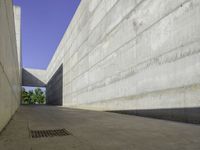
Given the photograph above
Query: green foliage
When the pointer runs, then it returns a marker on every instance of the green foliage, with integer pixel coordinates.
(33, 97)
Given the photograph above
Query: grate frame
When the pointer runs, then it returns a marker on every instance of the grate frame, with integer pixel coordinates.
(49, 133)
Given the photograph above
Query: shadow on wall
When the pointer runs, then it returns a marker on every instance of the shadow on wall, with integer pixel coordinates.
(54, 88)
(187, 115)
(29, 79)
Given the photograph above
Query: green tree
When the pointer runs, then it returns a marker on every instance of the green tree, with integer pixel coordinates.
(33, 97)
(25, 97)
(38, 96)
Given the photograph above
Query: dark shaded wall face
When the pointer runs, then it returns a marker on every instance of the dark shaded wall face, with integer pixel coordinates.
(54, 88)
(29, 79)
(187, 115)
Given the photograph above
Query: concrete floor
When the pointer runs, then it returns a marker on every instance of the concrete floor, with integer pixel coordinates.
(93, 130)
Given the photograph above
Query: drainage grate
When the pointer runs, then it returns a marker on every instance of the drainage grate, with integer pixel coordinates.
(48, 133)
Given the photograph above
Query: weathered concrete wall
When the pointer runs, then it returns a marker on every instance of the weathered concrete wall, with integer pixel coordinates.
(10, 85)
(34, 77)
(133, 55)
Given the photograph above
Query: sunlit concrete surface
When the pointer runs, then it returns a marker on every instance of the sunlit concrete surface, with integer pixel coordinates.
(10, 61)
(138, 56)
(93, 130)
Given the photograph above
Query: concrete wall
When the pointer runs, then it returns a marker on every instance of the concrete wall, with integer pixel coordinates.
(10, 85)
(133, 55)
(34, 77)
(17, 16)
(136, 56)
(54, 88)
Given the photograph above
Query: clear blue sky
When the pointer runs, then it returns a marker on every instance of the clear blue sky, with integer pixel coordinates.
(43, 25)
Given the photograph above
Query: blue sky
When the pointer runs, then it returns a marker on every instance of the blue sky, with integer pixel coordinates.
(43, 25)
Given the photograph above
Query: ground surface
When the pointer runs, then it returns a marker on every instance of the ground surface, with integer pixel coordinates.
(93, 130)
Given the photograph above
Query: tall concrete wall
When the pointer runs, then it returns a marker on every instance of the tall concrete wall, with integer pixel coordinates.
(134, 56)
(139, 56)
(10, 80)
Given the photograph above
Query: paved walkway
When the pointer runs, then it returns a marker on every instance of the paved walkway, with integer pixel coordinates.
(93, 130)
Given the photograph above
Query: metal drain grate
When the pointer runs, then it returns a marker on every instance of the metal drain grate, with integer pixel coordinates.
(48, 133)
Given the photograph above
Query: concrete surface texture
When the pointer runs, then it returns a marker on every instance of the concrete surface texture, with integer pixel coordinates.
(92, 130)
(34, 77)
(54, 93)
(138, 56)
(17, 16)
(132, 55)
(10, 80)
